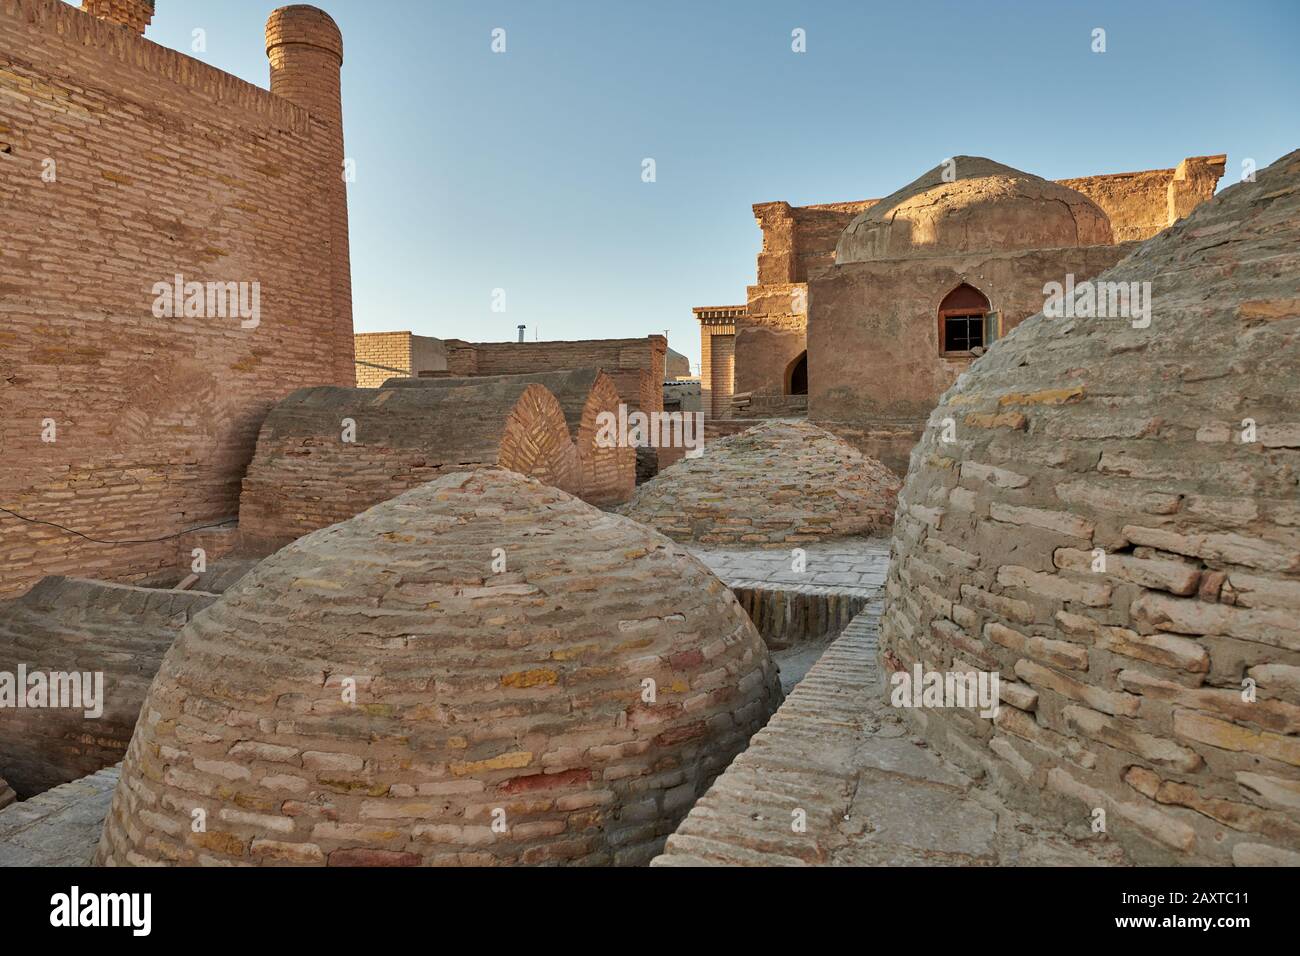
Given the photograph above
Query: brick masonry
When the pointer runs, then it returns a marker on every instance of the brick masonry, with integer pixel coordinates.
(517, 696)
(73, 626)
(305, 475)
(608, 473)
(778, 484)
(1162, 686)
(162, 165)
(60, 827)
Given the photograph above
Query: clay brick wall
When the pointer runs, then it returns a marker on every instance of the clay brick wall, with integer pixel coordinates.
(163, 165)
(304, 476)
(514, 358)
(382, 355)
(74, 626)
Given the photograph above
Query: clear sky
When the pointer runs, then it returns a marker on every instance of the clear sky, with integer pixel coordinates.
(523, 170)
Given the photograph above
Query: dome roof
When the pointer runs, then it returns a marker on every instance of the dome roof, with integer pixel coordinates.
(987, 206)
(781, 481)
(569, 708)
(1110, 536)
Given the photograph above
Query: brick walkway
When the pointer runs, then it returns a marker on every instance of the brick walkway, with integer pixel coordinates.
(848, 566)
(59, 827)
(836, 751)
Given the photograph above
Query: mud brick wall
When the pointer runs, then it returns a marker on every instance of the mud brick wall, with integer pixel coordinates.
(875, 366)
(542, 666)
(162, 165)
(69, 625)
(304, 476)
(1162, 686)
(1143, 203)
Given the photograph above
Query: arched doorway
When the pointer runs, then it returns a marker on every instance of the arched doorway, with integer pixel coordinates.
(961, 320)
(796, 375)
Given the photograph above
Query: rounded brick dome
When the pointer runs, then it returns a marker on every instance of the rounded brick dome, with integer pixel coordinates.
(988, 206)
(1115, 532)
(778, 482)
(379, 692)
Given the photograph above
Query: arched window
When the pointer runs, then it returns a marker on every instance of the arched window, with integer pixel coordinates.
(796, 375)
(961, 320)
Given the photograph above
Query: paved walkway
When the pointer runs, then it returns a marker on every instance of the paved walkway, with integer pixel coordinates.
(59, 827)
(869, 794)
(846, 566)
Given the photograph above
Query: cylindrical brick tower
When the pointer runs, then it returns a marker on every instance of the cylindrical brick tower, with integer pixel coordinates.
(305, 48)
(135, 15)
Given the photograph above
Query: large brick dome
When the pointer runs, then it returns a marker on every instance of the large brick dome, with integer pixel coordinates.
(568, 708)
(1115, 529)
(778, 483)
(973, 205)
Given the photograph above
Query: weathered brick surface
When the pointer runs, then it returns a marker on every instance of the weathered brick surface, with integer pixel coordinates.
(778, 484)
(304, 476)
(476, 692)
(1133, 679)
(59, 827)
(69, 625)
(608, 474)
(163, 166)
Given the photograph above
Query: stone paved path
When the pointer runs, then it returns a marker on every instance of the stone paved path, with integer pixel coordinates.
(871, 795)
(59, 827)
(846, 566)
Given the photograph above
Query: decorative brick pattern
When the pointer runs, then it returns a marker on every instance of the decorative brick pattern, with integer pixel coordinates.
(520, 692)
(1164, 685)
(607, 474)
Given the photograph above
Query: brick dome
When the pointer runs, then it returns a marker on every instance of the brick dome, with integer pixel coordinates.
(987, 206)
(499, 718)
(776, 483)
(1109, 536)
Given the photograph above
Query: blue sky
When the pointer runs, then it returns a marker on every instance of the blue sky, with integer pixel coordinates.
(522, 170)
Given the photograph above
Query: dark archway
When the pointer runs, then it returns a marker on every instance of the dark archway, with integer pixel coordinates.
(796, 375)
(961, 320)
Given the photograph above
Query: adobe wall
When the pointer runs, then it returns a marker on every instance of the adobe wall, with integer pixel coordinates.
(1140, 204)
(874, 365)
(75, 626)
(163, 165)
(306, 476)
(798, 241)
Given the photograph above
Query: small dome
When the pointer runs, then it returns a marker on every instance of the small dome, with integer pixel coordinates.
(1116, 532)
(987, 206)
(483, 670)
(778, 482)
